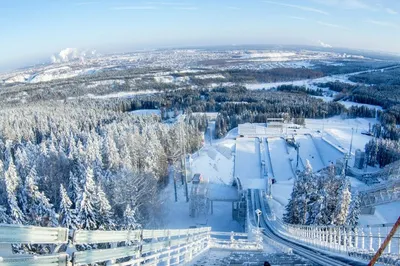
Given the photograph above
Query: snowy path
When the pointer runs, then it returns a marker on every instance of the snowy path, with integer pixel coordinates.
(308, 151)
(248, 164)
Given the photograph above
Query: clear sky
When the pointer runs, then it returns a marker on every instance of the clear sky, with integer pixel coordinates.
(36, 29)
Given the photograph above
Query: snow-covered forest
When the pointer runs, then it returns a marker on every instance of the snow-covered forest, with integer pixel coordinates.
(322, 198)
(86, 167)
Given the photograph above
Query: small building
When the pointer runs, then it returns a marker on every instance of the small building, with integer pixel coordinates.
(251, 130)
(359, 160)
(339, 166)
(275, 122)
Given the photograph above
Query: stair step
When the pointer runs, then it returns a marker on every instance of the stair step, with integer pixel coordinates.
(218, 257)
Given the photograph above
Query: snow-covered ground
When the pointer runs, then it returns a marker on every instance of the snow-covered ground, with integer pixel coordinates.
(280, 159)
(348, 104)
(146, 112)
(386, 213)
(176, 214)
(215, 163)
(121, 94)
(308, 83)
(248, 163)
(308, 151)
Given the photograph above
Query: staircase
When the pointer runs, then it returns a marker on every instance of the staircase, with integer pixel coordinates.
(218, 257)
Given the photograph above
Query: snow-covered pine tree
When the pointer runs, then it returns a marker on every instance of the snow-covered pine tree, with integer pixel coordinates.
(130, 219)
(4, 218)
(37, 207)
(354, 210)
(342, 207)
(103, 209)
(74, 188)
(22, 162)
(86, 216)
(12, 182)
(66, 213)
(292, 214)
(3, 192)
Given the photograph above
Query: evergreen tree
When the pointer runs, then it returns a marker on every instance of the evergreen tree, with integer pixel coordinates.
(66, 213)
(12, 183)
(129, 219)
(103, 209)
(86, 213)
(342, 207)
(4, 218)
(37, 207)
(74, 188)
(354, 211)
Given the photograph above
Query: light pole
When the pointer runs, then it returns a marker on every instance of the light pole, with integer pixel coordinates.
(348, 156)
(183, 158)
(258, 212)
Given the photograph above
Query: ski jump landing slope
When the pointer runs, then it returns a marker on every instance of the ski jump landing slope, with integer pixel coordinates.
(248, 164)
(280, 159)
(308, 151)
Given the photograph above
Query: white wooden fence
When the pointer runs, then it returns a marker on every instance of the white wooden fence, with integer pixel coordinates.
(132, 247)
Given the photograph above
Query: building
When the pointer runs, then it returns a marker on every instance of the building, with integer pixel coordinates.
(252, 130)
(359, 160)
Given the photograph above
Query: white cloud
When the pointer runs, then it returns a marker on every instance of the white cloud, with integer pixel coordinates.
(384, 23)
(332, 25)
(391, 11)
(324, 44)
(233, 8)
(304, 8)
(134, 8)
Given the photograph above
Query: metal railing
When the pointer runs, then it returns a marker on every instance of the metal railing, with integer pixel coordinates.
(16, 234)
(359, 241)
(130, 247)
(380, 194)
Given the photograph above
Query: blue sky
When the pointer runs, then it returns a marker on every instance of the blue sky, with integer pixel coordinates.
(35, 29)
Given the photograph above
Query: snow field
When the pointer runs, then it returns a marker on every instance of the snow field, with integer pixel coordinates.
(217, 170)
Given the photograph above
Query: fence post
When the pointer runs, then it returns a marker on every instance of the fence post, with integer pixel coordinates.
(350, 237)
(169, 248)
(379, 237)
(370, 240)
(362, 239)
